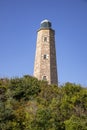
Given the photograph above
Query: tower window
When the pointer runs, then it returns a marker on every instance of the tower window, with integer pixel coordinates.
(45, 39)
(45, 56)
(44, 78)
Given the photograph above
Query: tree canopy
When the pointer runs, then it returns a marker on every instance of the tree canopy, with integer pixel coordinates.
(29, 104)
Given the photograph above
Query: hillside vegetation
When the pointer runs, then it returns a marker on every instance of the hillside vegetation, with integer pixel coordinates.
(29, 104)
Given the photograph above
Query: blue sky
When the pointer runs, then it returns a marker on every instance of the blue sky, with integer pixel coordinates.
(19, 22)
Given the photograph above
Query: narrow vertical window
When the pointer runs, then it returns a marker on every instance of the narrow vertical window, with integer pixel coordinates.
(45, 39)
(44, 78)
(45, 56)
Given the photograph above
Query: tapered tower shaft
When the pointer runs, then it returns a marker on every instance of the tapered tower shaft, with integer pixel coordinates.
(45, 67)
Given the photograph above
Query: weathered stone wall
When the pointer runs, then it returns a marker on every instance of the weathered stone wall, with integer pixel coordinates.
(45, 59)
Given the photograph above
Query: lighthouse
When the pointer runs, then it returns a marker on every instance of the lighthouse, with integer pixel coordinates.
(45, 66)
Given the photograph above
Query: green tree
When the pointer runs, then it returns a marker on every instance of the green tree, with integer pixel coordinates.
(76, 123)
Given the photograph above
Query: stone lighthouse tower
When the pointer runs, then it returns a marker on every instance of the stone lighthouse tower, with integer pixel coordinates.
(45, 67)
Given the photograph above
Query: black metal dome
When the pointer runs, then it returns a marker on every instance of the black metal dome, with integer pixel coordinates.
(45, 24)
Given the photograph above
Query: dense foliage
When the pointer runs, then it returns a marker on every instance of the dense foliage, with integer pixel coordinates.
(29, 104)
